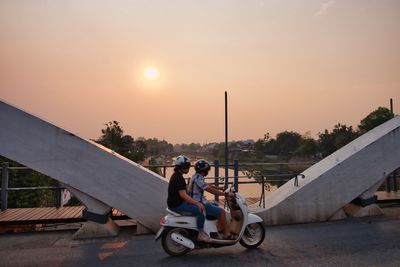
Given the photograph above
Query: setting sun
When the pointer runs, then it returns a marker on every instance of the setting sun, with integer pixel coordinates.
(151, 73)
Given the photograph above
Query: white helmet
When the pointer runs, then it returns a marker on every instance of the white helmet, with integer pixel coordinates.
(182, 162)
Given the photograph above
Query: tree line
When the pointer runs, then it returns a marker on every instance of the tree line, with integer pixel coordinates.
(289, 144)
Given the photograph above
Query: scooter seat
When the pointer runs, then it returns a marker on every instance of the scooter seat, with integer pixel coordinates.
(173, 212)
(208, 217)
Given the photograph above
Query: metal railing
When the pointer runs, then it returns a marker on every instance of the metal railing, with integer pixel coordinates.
(264, 178)
(5, 176)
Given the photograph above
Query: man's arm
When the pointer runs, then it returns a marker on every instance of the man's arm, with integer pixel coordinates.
(188, 199)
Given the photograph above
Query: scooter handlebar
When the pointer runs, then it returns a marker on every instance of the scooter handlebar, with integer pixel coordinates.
(230, 188)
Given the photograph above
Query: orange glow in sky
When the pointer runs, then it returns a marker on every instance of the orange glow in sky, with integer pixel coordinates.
(287, 65)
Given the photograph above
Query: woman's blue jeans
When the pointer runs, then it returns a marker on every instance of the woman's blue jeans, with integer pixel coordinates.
(189, 209)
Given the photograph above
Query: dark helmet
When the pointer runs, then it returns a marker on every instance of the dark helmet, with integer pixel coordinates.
(182, 162)
(202, 165)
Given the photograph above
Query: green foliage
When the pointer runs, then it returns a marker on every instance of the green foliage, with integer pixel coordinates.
(375, 118)
(340, 136)
(153, 161)
(218, 151)
(113, 137)
(139, 151)
(287, 143)
(156, 147)
(308, 147)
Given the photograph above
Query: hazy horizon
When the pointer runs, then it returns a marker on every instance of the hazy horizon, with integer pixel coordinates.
(300, 66)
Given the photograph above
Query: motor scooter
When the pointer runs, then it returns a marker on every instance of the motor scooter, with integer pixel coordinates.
(178, 232)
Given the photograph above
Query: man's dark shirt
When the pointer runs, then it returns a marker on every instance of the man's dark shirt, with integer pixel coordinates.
(176, 183)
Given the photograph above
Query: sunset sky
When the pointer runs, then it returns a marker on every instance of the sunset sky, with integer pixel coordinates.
(160, 68)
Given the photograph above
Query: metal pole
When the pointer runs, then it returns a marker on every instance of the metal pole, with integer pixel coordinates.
(262, 197)
(226, 141)
(394, 181)
(236, 174)
(391, 106)
(216, 178)
(58, 196)
(387, 183)
(4, 185)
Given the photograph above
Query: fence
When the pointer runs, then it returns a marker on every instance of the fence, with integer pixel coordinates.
(262, 177)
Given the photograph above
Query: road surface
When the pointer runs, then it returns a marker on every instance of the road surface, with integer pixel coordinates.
(352, 242)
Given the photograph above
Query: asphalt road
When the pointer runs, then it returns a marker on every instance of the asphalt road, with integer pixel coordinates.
(352, 242)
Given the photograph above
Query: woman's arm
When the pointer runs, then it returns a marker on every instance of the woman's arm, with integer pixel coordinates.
(214, 190)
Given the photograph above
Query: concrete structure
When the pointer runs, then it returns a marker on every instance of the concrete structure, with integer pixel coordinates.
(102, 179)
(354, 171)
(96, 175)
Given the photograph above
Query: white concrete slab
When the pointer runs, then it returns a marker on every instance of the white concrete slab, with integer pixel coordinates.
(83, 164)
(338, 179)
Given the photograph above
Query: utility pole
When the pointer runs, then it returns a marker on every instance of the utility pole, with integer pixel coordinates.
(226, 141)
(391, 106)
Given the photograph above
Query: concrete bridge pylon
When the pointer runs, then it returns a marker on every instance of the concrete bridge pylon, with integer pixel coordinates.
(352, 173)
(100, 177)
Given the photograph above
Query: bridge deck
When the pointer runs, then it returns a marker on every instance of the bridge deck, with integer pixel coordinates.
(74, 213)
(46, 215)
(62, 214)
(384, 196)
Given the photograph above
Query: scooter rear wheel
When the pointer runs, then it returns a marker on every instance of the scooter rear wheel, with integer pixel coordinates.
(253, 235)
(170, 246)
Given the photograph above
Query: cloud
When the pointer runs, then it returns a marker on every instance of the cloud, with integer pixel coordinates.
(323, 9)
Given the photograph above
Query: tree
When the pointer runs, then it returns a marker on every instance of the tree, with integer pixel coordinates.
(152, 162)
(113, 137)
(261, 145)
(287, 142)
(340, 136)
(156, 147)
(139, 151)
(375, 118)
(308, 147)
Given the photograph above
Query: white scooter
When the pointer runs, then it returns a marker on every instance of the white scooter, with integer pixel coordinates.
(178, 232)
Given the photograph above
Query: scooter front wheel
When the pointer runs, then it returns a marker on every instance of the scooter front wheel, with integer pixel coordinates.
(253, 235)
(172, 247)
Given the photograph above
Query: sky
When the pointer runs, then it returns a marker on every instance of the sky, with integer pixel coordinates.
(292, 65)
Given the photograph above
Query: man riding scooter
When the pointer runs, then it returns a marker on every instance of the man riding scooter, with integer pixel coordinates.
(196, 188)
(179, 233)
(179, 201)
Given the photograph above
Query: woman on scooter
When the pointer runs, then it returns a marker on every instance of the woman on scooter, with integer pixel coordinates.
(179, 201)
(197, 185)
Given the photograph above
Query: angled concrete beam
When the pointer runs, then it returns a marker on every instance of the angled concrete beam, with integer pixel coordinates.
(353, 171)
(82, 164)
